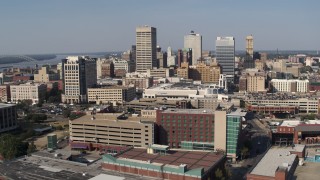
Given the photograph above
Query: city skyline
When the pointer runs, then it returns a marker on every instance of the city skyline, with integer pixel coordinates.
(82, 26)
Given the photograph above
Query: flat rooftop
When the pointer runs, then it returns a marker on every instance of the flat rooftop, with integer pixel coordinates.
(105, 117)
(3, 105)
(308, 127)
(110, 87)
(309, 171)
(189, 111)
(237, 112)
(275, 157)
(292, 123)
(181, 86)
(193, 159)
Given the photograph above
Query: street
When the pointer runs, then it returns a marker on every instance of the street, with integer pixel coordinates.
(260, 142)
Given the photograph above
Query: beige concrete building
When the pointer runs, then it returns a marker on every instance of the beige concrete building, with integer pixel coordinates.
(149, 113)
(279, 65)
(194, 41)
(105, 68)
(137, 80)
(260, 65)
(111, 94)
(183, 71)
(45, 75)
(35, 92)
(264, 56)
(207, 74)
(79, 74)
(305, 105)
(256, 82)
(146, 48)
(160, 72)
(294, 70)
(205, 103)
(220, 129)
(112, 129)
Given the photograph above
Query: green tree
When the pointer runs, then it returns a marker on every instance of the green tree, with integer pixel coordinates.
(242, 104)
(54, 96)
(219, 174)
(37, 118)
(228, 172)
(11, 146)
(59, 127)
(24, 105)
(31, 148)
(244, 152)
(66, 113)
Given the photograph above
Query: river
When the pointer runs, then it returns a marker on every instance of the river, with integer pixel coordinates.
(39, 63)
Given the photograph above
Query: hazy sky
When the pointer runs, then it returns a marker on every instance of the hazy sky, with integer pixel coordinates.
(53, 26)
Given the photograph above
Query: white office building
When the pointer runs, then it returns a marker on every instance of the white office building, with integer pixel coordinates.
(79, 74)
(194, 42)
(291, 85)
(171, 59)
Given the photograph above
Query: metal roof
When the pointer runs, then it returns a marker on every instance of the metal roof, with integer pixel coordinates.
(308, 127)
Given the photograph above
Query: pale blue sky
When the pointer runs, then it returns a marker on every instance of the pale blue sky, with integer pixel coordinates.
(53, 26)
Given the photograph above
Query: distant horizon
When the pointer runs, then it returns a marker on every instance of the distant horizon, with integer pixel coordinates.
(46, 27)
(174, 50)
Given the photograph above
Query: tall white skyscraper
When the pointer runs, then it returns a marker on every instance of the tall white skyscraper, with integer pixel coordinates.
(225, 54)
(194, 41)
(79, 73)
(146, 48)
(171, 59)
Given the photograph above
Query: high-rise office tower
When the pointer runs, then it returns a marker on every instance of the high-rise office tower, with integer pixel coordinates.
(161, 58)
(194, 42)
(146, 48)
(79, 73)
(249, 63)
(171, 58)
(225, 54)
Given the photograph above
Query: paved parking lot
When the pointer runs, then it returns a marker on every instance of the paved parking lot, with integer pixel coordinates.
(37, 168)
(29, 171)
(309, 171)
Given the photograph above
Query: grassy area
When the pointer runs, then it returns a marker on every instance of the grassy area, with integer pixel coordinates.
(41, 142)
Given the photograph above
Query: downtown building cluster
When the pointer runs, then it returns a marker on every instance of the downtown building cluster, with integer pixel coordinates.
(176, 105)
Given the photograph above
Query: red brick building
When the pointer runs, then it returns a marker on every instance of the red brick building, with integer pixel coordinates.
(307, 133)
(176, 125)
(166, 164)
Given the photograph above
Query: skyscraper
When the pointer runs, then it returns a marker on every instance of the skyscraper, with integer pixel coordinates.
(146, 48)
(225, 54)
(249, 63)
(79, 73)
(171, 59)
(194, 42)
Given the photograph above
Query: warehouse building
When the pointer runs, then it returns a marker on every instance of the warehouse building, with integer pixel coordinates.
(159, 161)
